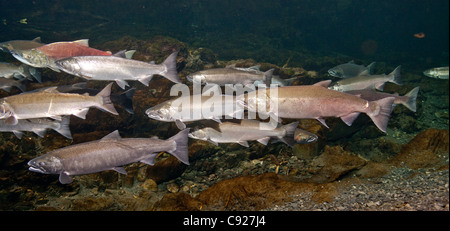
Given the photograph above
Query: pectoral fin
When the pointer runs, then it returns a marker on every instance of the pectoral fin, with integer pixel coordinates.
(64, 178)
(120, 170)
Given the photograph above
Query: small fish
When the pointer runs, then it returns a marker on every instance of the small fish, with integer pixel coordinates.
(408, 100)
(7, 84)
(119, 69)
(304, 137)
(9, 70)
(350, 69)
(23, 21)
(244, 131)
(12, 45)
(38, 126)
(367, 81)
(53, 104)
(317, 102)
(109, 153)
(275, 78)
(222, 76)
(437, 72)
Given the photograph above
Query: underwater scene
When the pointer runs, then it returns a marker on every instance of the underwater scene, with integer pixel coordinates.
(224, 105)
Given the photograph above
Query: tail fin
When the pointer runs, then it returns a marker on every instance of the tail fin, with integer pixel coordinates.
(395, 74)
(21, 85)
(181, 150)
(171, 68)
(411, 99)
(288, 137)
(380, 115)
(126, 100)
(106, 103)
(268, 77)
(36, 73)
(64, 128)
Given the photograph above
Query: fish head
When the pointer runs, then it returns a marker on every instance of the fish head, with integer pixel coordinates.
(199, 134)
(336, 72)
(196, 78)
(430, 73)
(69, 65)
(47, 164)
(336, 86)
(161, 112)
(304, 137)
(5, 110)
(32, 57)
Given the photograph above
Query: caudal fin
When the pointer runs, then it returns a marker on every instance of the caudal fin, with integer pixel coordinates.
(288, 137)
(181, 150)
(410, 103)
(395, 74)
(64, 128)
(380, 115)
(171, 68)
(126, 100)
(106, 104)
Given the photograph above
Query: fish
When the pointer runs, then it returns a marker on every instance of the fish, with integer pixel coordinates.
(316, 102)
(437, 73)
(199, 109)
(109, 153)
(7, 84)
(350, 69)
(244, 131)
(408, 100)
(53, 104)
(12, 45)
(39, 126)
(304, 137)
(124, 99)
(119, 69)
(9, 70)
(46, 55)
(222, 76)
(275, 78)
(368, 81)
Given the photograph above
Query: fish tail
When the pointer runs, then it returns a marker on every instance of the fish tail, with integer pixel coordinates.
(106, 103)
(64, 128)
(171, 68)
(381, 113)
(181, 150)
(268, 77)
(411, 102)
(126, 100)
(395, 74)
(288, 137)
(21, 85)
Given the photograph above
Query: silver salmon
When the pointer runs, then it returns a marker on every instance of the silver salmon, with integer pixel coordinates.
(317, 102)
(109, 153)
(53, 104)
(39, 126)
(112, 68)
(368, 81)
(244, 131)
(437, 72)
(222, 76)
(350, 69)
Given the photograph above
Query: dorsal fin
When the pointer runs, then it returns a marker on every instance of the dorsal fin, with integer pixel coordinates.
(37, 39)
(83, 42)
(324, 83)
(112, 136)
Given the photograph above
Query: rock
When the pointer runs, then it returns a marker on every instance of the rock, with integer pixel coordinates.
(428, 149)
(179, 201)
(333, 163)
(173, 187)
(150, 184)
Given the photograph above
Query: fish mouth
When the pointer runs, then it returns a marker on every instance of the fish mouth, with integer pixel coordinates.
(34, 169)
